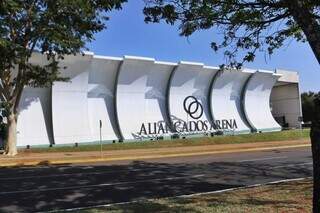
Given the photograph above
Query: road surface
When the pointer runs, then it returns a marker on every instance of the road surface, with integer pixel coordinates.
(44, 188)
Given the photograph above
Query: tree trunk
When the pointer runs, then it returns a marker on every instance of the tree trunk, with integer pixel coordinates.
(315, 142)
(308, 23)
(311, 28)
(11, 137)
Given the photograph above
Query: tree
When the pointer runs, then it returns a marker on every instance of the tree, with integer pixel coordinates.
(308, 105)
(250, 26)
(53, 27)
(315, 135)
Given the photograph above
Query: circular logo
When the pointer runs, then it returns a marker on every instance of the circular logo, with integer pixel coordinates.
(193, 107)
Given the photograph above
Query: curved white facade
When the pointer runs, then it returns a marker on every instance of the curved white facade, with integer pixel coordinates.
(101, 97)
(190, 79)
(35, 120)
(138, 98)
(141, 95)
(70, 102)
(226, 97)
(257, 101)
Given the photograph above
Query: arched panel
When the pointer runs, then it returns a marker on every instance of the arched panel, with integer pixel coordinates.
(257, 101)
(141, 97)
(226, 93)
(35, 121)
(102, 77)
(190, 79)
(70, 102)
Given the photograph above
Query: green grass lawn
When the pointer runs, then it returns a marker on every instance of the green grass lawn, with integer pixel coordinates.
(288, 197)
(228, 139)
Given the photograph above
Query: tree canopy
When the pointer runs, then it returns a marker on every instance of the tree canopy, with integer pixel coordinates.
(257, 25)
(251, 26)
(308, 105)
(53, 27)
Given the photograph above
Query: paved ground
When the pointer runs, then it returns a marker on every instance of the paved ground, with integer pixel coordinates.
(30, 158)
(46, 188)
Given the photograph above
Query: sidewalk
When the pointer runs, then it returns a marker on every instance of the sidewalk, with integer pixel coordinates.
(30, 159)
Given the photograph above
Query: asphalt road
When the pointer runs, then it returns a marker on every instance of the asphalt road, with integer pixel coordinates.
(45, 188)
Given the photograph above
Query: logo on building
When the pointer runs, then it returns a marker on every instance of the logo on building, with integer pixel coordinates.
(193, 107)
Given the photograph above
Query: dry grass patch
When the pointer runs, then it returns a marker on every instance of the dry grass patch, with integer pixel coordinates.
(283, 197)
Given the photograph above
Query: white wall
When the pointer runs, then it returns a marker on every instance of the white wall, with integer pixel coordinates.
(285, 101)
(35, 122)
(70, 102)
(190, 79)
(141, 94)
(101, 89)
(226, 97)
(126, 92)
(257, 101)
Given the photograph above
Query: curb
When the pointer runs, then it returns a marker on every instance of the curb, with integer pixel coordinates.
(154, 156)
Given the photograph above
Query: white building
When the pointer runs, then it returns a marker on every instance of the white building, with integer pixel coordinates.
(140, 98)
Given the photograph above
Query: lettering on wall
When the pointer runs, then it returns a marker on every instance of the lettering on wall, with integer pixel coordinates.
(194, 110)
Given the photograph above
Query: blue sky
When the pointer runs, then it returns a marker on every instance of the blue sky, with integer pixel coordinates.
(127, 34)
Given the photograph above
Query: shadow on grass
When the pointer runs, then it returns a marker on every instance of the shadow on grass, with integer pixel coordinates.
(270, 198)
(145, 207)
